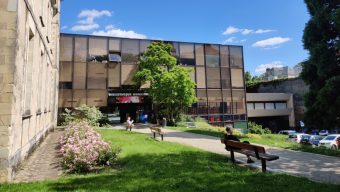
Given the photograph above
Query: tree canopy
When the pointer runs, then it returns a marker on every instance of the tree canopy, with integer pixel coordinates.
(171, 88)
(322, 69)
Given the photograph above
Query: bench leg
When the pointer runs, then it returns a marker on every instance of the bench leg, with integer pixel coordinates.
(154, 135)
(162, 137)
(232, 156)
(264, 166)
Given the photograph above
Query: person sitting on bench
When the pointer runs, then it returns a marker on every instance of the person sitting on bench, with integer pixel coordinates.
(129, 123)
(229, 136)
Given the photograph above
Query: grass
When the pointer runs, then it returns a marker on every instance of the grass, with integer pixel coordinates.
(149, 165)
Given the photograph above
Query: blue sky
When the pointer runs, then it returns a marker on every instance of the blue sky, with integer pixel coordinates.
(269, 30)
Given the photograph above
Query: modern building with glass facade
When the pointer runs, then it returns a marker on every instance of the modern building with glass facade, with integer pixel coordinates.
(98, 71)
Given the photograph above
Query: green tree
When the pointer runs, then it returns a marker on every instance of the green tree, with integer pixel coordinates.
(322, 69)
(171, 87)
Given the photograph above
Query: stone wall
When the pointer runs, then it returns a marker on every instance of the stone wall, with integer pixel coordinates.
(29, 39)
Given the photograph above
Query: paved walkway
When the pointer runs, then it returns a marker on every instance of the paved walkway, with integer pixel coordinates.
(44, 162)
(313, 166)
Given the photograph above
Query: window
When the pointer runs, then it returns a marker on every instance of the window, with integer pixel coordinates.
(28, 73)
(80, 49)
(175, 49)
(97, 75)
(226, 93)
(144, 45)
(269, 106)
(79, 76)
(79, 98)
(98, 50)
(215, 101)
(200, 76)
(224, 56)
(236, 59)
(130, 51)
(114, 75)
(225, 75)
(237, 78)
(213, 78)
(114, 57)
(250, 106)
(187, 54)
(114, 45)
(259, 105)
(65, 72)
(281, 105)
(66, 48)
(65, 98)
(97, 98)
(199, 54)
(212, 55)
(239, 101)
(128, 72)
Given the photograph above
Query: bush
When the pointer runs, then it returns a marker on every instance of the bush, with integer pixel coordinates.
(257, 129)
(82, 113)
(83, 149)
(255, 136)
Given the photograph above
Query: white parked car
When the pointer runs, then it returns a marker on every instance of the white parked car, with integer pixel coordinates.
(287, 132)
(329, 141)
(296, 137)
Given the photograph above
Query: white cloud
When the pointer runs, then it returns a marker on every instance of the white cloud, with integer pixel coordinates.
(243, 40)
(94, 13)
(246, 31)
(262, 68)
(260, 31)
(230, 40)
(116, 32)
(232, 30)
(85, 27)
(271, 42)
(87, 19)
(63, 27)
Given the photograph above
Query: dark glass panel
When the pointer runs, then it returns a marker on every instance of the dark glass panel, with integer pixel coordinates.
(128, 72)
(114, 75)
(187, 54)
(239, 101)
(66, 48)
(144, 45)
(80, 49)
(97, 76)
(65, 98)
(98, 50)
(226, 93)
(237, 78)
(97, 98)
(199, 54)
(225, 76)
(236, 60)
(200, 76)
(224, 56)
(65, 72)
(79, 76)
(213, 78)
(79, 98)
(114, 45)
(130, 51)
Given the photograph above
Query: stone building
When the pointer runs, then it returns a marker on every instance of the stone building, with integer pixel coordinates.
(29, 49)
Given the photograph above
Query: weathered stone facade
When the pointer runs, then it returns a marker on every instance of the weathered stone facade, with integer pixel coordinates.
(29, 59)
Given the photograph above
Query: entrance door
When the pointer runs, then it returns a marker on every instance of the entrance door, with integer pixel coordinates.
(127, 109)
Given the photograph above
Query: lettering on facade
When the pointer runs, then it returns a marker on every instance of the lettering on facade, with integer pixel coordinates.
(127, 94)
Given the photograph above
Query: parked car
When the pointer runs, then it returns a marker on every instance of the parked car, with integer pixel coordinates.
(334, 131)
(296, 137)
(329, 141)
(315, 132)
(311, 139)
(323, 132)
(287, 132)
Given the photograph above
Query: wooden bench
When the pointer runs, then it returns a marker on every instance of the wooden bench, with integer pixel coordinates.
(157, 130)
(248, 149)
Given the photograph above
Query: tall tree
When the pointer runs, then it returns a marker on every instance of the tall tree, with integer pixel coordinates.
(322, 69)
(171, 87)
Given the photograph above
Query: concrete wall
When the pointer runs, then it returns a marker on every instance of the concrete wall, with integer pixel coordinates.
(29, 39)
(294, 86)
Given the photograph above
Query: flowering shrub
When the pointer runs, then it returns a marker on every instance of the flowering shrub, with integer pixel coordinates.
(83, 148)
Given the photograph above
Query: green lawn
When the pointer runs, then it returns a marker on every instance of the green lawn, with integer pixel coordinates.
(149, 165)
(273, 140)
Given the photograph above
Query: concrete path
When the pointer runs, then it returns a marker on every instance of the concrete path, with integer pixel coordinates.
(44, 162)
(316, 167)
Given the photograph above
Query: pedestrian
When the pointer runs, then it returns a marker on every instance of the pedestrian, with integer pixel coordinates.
(129, 123)
(229, 136)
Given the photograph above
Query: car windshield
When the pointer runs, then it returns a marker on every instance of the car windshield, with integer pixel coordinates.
(330, 138)
(305, 136)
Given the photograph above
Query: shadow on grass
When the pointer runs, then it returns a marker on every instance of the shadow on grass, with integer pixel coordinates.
(185, 171)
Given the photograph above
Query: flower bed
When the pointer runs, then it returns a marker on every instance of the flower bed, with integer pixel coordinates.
(83, 148)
